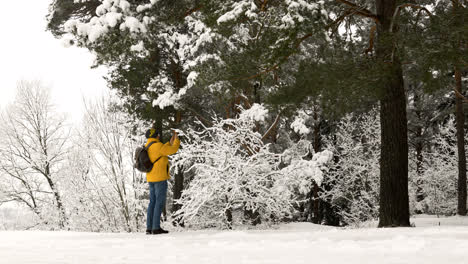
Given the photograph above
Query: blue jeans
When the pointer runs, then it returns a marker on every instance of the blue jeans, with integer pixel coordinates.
(157, 199)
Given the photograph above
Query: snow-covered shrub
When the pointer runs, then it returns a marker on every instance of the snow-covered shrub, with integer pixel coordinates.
(234, 172)
(302, 174)
(438, 181)
(236, 178)
(301, 168)
(353, 179)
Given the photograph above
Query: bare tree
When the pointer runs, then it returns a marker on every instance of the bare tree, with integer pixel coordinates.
(33, 149)
(107, 136)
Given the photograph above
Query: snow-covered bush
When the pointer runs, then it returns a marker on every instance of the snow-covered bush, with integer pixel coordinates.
(353, 180)
(236, 178)
(234, 173)
(438, 181)
(301, 168)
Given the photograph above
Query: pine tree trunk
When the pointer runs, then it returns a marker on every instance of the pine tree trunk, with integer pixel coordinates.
(419, 167)
(178, 188)
(315, 189)
(158, 124)
(178, 181)
(419, 146)
(394, 202)
(460, 122)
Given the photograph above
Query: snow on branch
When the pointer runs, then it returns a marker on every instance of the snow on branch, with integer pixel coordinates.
(227, 181)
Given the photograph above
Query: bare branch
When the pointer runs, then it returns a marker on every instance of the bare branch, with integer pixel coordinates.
(199, 116)
(398, 9)
(340, 19)
(459, 95)
(361, 10)
(193, 10)
(272, 127)
(264, 3)
(371, 40)
(455, 2)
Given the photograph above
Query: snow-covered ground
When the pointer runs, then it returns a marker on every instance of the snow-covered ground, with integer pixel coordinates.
(291, 243)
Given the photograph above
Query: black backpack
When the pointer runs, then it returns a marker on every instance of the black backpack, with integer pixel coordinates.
(142, 160)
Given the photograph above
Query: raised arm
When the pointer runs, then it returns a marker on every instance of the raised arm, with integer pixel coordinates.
(172, 146)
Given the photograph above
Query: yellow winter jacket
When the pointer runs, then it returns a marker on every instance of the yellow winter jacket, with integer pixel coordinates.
(160, 171)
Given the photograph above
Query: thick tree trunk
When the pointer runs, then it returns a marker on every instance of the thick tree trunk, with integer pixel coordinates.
(460, 122)
(394, 202)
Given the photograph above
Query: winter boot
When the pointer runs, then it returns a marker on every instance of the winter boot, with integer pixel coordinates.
(159, 231)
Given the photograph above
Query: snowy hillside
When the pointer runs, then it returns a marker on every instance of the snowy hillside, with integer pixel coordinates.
(291, 243)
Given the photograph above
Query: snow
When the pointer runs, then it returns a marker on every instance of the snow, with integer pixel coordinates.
(133, 24)
(124, 5)
(298, 125)
(238, 9)
(290, 243)
(142, 8)
(112, 18)
(257, 112)
(166, 99)
(139, 47)
(323, 157)
(309, 170)
(191, 78)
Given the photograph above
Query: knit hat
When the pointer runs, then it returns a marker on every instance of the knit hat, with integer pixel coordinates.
(152, 133)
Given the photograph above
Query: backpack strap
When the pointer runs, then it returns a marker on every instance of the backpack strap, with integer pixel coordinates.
(149, 145)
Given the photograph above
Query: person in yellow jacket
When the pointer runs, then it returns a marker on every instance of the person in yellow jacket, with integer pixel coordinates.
(157, 177)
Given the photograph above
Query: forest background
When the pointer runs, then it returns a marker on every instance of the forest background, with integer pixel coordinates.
(333, 112)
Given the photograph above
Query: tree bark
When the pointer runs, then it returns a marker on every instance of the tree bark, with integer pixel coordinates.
(419, 167)
(178, 181)
(178, 188)
(460, 123)
(419, 146)
(63, 221)
(315, 189)
(394, 202)
(58, 199)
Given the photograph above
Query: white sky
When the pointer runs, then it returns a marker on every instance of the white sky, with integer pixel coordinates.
(27, 51)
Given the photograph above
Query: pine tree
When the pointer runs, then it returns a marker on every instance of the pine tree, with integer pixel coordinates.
(443, 62)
